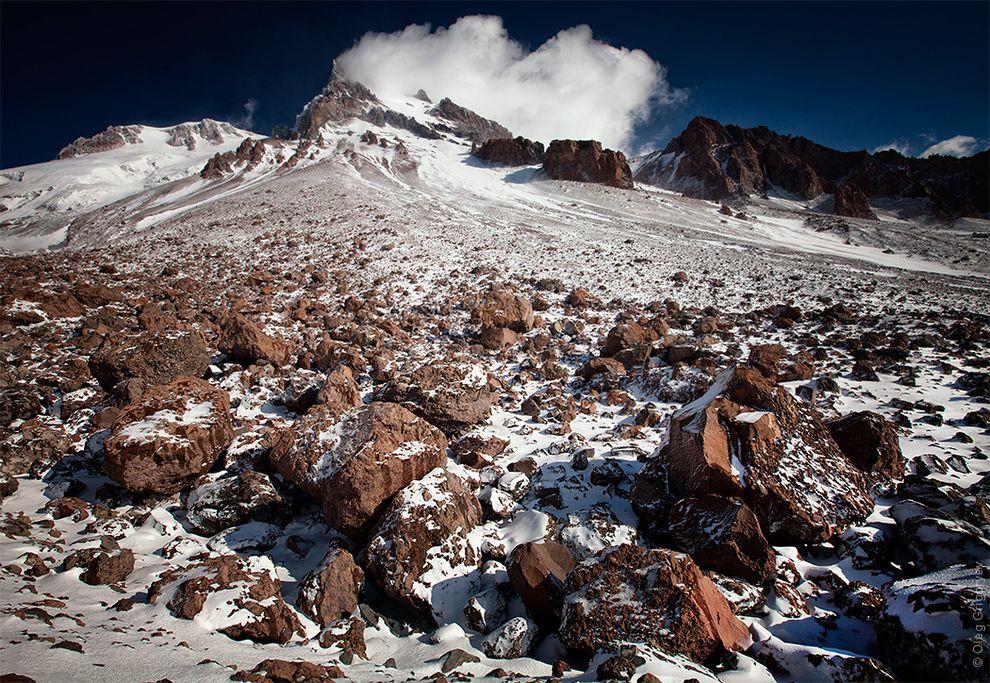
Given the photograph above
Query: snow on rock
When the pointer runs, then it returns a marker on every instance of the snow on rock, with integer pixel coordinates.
(420, 552)
(355, 465)
(168, 437)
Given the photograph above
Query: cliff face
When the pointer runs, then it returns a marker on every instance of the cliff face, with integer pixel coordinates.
(710, 160)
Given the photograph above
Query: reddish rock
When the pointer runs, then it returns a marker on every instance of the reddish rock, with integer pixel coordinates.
(586, 161)
(723, 535)
(246, 343)
(628, 336)
(451, 395)
(512, 151)
(284, 671)
(154, 358)
(657, 597)
(102, 567)
(331, 589)
(497, 338)
(425, 526)
(603, 366)
(501, 306)
(34, 447)
(355, 465)
(870, 442)
(170, 436)
(850, 201)
(538, 572)
(751, 439)
(254, 609)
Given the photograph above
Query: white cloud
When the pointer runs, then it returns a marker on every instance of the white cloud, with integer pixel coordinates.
(571, 86)
(902, 146)
(957, 146)
(247, 121)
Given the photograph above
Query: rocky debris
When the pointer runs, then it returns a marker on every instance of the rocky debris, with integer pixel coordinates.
(354, 465)
(772, 361)
(33, 447)
(113, 137)
(452, 395)
(341, 100)
(102, 567)
(586, 161)
(934, 538)
(514, 638)
(723, 535)
(230, 501)
(657, 597)
(334, 394)
(538, 572)
(168, 437)
(466, 124)
(331, 590)
(248, 584)
(246, 343)
(850, 201)
(420, 548)
(284, 671)
(870, 442)
(510, 151)
(931, 625)
(712, 161)
(502, 306)
(455, 658)
(748, 438)
(150, 358)
(625, 336)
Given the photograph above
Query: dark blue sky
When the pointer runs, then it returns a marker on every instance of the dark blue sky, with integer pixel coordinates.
(848, 75)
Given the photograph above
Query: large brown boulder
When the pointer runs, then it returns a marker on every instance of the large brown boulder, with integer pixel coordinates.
(628, 336)
(152, 357)
(246, 343)
(419, 551)
(168, 437)
(252, 608)
(356, 464)
(722, 534)
(230, 501)
(511, 151)
(870, 442)
(538, 572)
(502, 306)
(658, 597)
(586, 161)
(451, 395)
(331, 589)
(749, 438)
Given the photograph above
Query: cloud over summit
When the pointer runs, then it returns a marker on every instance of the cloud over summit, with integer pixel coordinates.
(573, 85)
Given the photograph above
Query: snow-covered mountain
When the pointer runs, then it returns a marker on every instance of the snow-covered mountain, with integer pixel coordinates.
(38, 202)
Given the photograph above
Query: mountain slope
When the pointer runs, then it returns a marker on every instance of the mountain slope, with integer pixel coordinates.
(39, 201)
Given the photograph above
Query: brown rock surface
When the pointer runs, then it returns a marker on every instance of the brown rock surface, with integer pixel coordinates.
(152, 357)
(658, 597)
(331, 589)
(538, 572)
(586, 161)
(168, 437)
(355, 467)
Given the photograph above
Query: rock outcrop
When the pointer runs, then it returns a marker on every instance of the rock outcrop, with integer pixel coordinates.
(714, 161)
(466, 124)
(341, 100)
(586, 161)
(657, 597)
(355, 465)
(113, 137)
(168, 437)
(420, 550)
(749, 438)
(511, 151)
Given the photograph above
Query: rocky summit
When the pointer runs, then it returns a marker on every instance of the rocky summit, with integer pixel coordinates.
(395, 395)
